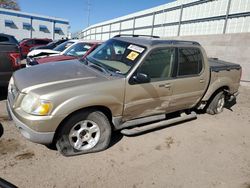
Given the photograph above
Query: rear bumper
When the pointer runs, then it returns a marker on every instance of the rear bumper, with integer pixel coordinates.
(30, 134)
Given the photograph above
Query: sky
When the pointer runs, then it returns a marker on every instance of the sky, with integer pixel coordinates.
(76, 10)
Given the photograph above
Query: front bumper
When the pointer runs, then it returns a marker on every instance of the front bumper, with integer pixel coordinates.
(30, 134)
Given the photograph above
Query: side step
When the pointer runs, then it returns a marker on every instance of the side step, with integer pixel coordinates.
(164, 123)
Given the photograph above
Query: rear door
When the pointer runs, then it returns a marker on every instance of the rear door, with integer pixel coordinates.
(154, 97)
(191, 78)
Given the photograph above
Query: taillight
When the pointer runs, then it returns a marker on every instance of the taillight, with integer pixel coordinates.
(15, 59)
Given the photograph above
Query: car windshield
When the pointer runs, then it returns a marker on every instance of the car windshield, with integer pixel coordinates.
(51, 44)
(63, 46)
(117, 56)
(78, 50)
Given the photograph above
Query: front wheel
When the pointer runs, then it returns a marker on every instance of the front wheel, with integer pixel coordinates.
(217, 104)
(84, 132)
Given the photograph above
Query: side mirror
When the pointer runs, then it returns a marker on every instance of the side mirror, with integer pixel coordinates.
(141, 78)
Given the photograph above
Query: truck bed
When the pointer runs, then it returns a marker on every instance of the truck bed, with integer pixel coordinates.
(217, 65)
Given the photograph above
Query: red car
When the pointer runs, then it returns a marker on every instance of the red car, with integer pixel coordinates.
(27, 44)
(77, 51)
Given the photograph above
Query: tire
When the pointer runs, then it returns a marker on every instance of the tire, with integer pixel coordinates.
(217, 104)
(1, 130)
(84, 132)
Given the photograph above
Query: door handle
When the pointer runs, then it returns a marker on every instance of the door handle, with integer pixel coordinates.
(167, 85)
(202, 80)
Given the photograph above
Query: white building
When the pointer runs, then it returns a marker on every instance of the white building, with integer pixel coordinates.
(25, 25)
(179, 18)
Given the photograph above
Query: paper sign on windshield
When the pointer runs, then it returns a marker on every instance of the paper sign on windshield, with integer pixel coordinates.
(132, 56)
(135, 48)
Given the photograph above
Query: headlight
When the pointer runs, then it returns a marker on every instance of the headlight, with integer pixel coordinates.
(33, 105)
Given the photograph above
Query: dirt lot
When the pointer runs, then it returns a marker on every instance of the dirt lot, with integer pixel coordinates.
(212, 151)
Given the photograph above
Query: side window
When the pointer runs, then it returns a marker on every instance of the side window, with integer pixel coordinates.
(4, 39)
(189, 62)
(158, 64)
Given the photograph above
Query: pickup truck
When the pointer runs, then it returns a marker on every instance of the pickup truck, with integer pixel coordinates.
(130, 84)
(9, 58)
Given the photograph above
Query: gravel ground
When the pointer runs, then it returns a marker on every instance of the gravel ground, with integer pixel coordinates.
(212, 151)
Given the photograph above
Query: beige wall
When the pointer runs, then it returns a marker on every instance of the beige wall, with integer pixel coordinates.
(233, 48)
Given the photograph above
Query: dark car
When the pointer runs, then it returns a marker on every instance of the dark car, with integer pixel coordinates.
(51, 45)
(77, 51)
(27, 44)
(4, 38)
(9, 58)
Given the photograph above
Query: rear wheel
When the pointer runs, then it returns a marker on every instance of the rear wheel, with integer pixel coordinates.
(84, 132)
(217, 104)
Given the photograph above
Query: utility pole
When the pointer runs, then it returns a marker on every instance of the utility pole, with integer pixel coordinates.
(88, 12)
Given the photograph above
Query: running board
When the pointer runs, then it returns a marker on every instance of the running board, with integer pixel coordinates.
(161, 124)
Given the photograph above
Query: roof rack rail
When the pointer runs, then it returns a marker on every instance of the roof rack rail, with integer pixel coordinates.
(128, 35)
(184, 42)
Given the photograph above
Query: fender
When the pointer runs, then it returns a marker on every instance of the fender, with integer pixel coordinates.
(79, 102)
(217, 84)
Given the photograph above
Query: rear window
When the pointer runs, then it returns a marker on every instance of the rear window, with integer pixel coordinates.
(4, 39)
(29, 42)
(189, 62)
(41, 42)
(78, 49)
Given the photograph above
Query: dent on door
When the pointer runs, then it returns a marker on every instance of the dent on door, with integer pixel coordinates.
(146, 99)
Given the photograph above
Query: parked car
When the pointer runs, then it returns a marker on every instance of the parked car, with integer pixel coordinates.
(130, 84)
(4, 38)
(9, 58)
(50, 45)
(60, 49)
(27, 44)
(78, 50)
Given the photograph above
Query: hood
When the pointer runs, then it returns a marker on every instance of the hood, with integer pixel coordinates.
(69, 73)
(42, 51)
(54, 58)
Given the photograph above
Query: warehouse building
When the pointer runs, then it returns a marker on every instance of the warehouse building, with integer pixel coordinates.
(221, 26)
(179, 18)
(24, 25)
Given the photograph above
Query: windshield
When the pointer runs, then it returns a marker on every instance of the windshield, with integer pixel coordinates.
(78, 50)
(118, 56)
(63, 46)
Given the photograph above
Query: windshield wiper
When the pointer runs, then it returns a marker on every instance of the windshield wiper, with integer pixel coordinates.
(97, 66)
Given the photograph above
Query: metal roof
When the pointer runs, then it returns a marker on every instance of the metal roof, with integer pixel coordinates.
(147, 41)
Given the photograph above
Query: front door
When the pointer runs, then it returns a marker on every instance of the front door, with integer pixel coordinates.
(146, 99)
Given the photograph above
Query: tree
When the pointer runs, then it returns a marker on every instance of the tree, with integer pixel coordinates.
(9, 4)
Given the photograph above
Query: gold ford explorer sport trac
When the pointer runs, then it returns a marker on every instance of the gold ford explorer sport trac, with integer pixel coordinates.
(130, 83)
